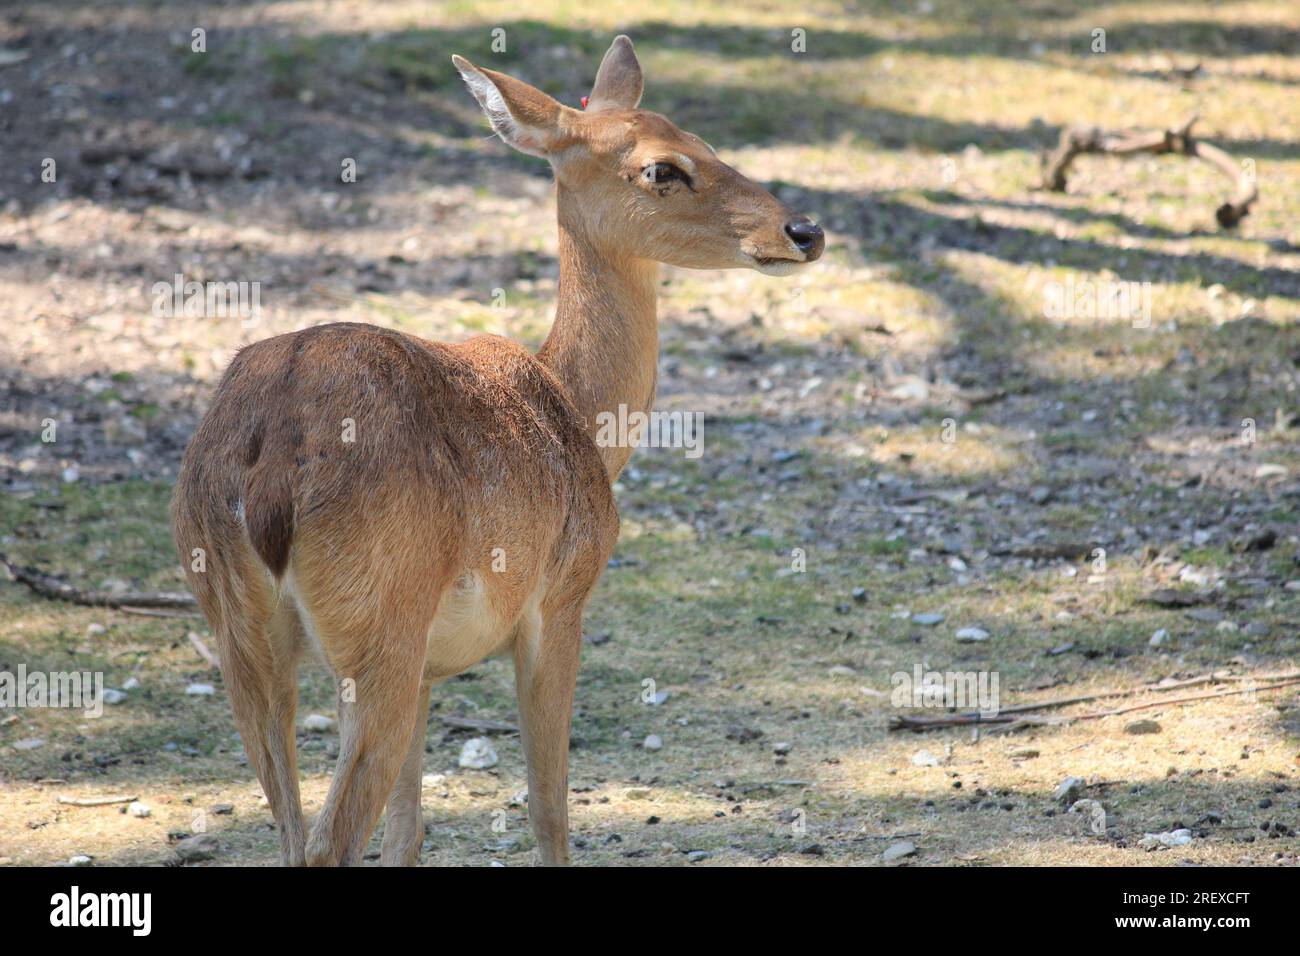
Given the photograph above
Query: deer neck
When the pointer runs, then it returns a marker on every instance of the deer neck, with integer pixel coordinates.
(604, 345)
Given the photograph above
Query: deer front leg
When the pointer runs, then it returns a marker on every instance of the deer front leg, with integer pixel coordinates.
(546, 670)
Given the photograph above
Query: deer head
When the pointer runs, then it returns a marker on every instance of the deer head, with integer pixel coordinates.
(635, 184)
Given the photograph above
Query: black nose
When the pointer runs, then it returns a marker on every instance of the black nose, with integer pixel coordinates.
(808, 236)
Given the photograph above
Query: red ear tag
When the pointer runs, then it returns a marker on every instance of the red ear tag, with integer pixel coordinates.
(584, 102)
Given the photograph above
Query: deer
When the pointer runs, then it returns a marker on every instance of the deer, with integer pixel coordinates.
(408, 508)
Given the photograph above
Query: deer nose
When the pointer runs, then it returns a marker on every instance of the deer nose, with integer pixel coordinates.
(808, 236)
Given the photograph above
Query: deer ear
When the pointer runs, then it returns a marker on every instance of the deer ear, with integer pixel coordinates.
(522, 115)
(618, 81)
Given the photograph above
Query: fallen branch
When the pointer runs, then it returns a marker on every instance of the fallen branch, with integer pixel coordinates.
(151, 612)
(480, 724)
(95, 801)
(1078, 140)
(1019, 716)
(203, 650)
(52, 588)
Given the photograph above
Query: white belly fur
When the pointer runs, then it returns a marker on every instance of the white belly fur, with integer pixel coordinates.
(465, 629)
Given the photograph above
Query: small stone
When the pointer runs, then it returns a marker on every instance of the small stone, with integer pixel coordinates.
(783, 748)
(1068, 790)
(194, 849)
(94, 629)
(478, 754)
(130, 684)
(898, 851)
(1164, 841)
(972, 635)
(860, 595)
(923, 758)
(222, 809)
(318, 723)
(637, 793)
(742, 734)
(200, 690)
(81, 859)
(813, 849)
(31, 743)
(928, 619)
(840, 670)
(433, 780)
(1158, 638)
(1143, 727)
(138, 809)
(1023, 753)
(695, 856)
(71, 475)
(653, 742)
(1270, 470)
(659, 699)
(111, 696)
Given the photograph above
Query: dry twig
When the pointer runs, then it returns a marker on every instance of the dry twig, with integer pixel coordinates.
(1079, 140)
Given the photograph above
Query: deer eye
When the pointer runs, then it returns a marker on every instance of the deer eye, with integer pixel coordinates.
(659, 174)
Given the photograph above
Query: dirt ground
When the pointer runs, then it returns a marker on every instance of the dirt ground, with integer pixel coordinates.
(908, 429)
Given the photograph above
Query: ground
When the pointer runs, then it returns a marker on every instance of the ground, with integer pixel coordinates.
(907, 428)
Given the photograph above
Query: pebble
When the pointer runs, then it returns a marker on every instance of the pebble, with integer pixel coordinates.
(1158, 638)
(433, 780)
(138, 809)
(318, 723)
(783, 748)
(1069, 789)
(1163, 841)
(972, 635)
(95, 628)
(898, 851)
(695, 856)
(1143, 727)
(478, 754)
(928, 619)
(200, 690)
(196, 848)
(29, 744)
(130, 684)
(840, 670)
(81, 859)
(923, 758)
(112, 696)
(653, 742)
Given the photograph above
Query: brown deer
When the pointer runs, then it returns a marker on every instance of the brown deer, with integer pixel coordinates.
(410, 508)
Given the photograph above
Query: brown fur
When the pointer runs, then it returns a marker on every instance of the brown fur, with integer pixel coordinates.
(386, 551)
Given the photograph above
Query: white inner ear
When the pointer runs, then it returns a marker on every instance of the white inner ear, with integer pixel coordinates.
(498, 113)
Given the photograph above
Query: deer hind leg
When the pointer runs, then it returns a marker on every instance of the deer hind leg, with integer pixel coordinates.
(404, 824)
(546, 671)
(259, 646)
(380, 678)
